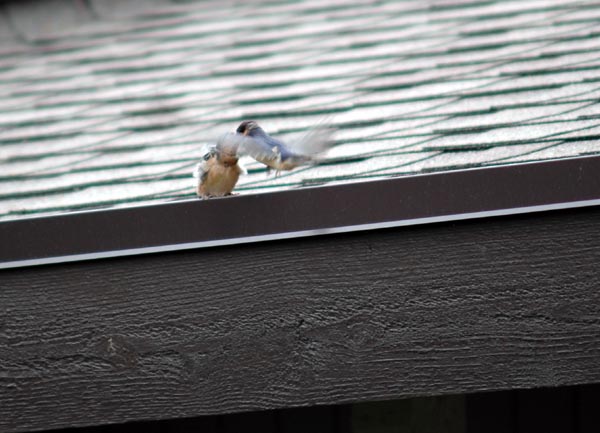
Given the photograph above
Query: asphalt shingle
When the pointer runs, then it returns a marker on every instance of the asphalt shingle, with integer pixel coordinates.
(109, 104)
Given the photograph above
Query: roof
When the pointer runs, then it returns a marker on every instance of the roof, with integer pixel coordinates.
(111, 105)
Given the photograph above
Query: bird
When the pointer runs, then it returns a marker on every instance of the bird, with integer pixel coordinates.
(280, 156)
(219, 170)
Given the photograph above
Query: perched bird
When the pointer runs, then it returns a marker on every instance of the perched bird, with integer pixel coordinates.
(277, 155)
(219, 170)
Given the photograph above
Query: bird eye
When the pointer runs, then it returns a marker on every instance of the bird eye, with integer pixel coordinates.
(207, 156)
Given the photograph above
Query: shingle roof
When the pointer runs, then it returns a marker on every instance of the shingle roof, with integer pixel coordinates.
(111, 103)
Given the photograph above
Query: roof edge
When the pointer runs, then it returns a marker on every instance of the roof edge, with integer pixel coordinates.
(393, 202)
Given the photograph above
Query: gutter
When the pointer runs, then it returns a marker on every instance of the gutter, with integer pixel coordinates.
(393, 202)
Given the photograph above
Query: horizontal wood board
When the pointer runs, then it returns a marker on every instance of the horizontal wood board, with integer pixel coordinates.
(491, 304)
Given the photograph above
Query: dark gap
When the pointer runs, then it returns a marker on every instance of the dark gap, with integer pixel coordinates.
(359, 45)
(484, 32)
(246, 57)
(512, 90)
(451, 167)
(537, 104)
(152, 111)
(41, 137)
(153, 127)
(99, 59)
(398, 73)
(271, 99)
(481, 47)
(342, 160)
(582, 138)
(543, 71)
(149, 16)
(449, 6)
(473, 129)
(33, 122)
(267, 85)
(252, 43)
(464, 147)
(255, 71)
(133, 69)
(305, 112)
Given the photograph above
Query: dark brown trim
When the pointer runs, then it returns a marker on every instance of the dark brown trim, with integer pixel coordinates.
(479, 305)
(453, 195)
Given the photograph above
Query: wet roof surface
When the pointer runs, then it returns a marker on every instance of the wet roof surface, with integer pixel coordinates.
(111, 104)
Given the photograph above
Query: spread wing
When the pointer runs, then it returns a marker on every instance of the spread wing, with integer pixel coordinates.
(315, 142)
(265, 151)
(272, 152)
(261, 150)
(230, 143)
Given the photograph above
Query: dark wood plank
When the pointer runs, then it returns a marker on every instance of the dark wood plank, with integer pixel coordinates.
(550, 410)
(491, 412)
(438, 309)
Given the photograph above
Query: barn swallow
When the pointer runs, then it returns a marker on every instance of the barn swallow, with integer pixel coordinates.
(219, 170)
(280, 156)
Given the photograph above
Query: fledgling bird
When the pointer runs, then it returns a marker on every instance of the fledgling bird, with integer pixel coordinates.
(219, 170)
(280, 156)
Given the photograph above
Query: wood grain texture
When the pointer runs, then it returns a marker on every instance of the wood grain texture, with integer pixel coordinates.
(481, 305)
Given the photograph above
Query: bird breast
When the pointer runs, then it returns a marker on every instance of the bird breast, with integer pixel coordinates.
(220, 180)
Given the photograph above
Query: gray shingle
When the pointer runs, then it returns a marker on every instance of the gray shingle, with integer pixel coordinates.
(115, 104)
(29, 18)
(116, 9)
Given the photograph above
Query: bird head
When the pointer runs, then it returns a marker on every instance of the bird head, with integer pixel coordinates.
(247, 127)
(227, 148)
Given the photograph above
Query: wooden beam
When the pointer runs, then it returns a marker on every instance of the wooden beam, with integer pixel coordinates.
(491, 304)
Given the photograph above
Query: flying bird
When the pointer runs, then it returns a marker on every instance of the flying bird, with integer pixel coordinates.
(280, 156)
(219, 170)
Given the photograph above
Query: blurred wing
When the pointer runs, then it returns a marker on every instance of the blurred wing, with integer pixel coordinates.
(258, 149)
(314, 142)
(230, 142)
